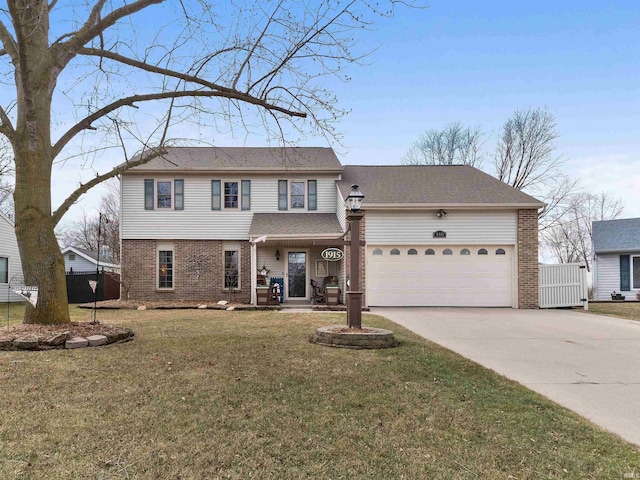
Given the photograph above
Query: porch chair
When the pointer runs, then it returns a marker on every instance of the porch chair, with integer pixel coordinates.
(319, 294)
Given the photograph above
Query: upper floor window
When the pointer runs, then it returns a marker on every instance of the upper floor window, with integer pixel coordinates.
(230, 194)
(4, 270)
(295, 194)
(163, 194)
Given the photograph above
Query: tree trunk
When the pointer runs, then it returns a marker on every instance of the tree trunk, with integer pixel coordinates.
(42, 261)
(35, 74)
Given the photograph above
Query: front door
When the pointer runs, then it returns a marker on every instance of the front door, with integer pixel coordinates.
(296, 275)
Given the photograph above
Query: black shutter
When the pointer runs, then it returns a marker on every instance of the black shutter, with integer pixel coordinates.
(625, 273)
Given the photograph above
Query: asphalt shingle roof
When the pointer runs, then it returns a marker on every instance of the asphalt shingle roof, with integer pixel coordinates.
(244, 159)
(622, 235)
(439, 185)
(294, 224)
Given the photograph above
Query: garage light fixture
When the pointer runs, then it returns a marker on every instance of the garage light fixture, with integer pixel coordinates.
(441, 213)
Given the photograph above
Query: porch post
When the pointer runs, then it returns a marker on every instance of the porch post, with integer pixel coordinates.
(254, 269)
(354, 295)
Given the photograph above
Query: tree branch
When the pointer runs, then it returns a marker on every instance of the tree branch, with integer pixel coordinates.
(6, 126)
(9, 44)
(84, 188)
(94, 26)
(129, 101)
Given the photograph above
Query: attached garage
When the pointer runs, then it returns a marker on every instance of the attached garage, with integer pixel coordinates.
(440, 275)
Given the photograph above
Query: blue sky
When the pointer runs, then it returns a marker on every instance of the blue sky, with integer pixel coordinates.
(477, 62)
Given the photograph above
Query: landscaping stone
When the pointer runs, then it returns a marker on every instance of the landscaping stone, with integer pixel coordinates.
(367, 337)
(97, 340)
(76, 342)
(222, 302)
(57, 339)
(6, 342)
(29, 342)
(231, 309)
(142, 307)
(202, 306)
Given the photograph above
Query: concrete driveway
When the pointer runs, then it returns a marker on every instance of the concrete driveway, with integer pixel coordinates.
(587, 363)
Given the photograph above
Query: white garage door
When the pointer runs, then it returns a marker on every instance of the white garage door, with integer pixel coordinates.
(462, 276)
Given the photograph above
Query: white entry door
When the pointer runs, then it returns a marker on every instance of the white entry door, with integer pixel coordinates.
(457, 275)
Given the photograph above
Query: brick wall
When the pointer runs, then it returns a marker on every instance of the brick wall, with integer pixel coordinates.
(198, 271)
(528, 258)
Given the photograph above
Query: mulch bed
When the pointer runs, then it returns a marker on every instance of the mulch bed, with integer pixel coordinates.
(76, 329)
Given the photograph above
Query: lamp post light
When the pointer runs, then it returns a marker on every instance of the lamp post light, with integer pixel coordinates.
(354, 295)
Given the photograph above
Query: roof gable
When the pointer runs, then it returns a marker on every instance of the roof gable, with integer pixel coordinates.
(431, 185)
(238, 159)
(89, 255)
(622, 235)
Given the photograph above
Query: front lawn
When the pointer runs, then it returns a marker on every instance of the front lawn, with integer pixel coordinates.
(206, 394)
(630, 310)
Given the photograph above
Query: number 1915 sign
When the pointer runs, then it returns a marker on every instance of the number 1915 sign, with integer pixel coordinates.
(332, 254)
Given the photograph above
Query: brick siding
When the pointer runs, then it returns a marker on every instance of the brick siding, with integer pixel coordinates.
(528, 258)
(198, 271)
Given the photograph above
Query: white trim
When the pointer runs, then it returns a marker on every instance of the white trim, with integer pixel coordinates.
(232, 247)
(632, 285)
(459, 206)
(165, 247)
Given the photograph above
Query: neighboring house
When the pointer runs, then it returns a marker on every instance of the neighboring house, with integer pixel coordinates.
(616, 263)
(82, 260)
(200, 223)
(10, 265)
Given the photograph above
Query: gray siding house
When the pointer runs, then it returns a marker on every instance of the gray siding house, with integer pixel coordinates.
(78, 259)
(10, 265)
(616, 263)
(206, 223)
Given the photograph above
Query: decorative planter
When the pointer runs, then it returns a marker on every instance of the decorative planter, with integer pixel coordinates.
(617, 296)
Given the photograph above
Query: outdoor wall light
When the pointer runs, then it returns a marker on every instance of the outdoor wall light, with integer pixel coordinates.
(441, 213)
(355, 198)
(277, 254)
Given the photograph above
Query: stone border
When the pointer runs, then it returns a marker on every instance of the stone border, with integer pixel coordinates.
(343, 337)
(63, 340)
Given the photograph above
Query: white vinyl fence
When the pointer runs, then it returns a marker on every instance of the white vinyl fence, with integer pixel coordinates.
(563, 285)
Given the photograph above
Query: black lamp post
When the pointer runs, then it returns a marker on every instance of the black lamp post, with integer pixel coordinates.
(354, 295)
(95, 291)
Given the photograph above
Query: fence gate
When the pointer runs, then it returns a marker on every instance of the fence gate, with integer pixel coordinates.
(563, 285)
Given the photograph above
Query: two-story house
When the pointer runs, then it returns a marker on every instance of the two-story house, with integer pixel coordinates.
(205, 223)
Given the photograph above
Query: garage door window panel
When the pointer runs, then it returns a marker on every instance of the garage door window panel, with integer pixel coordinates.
(447, 251)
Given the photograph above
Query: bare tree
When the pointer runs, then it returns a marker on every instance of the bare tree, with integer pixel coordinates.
(6, 180)
(571, 240)
(85, 231)
(526, 158)
(452, 145)
(211, 64)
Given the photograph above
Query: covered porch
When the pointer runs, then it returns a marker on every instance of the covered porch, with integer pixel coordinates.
(283, 252)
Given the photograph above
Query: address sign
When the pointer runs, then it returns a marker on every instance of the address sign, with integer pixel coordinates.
(332, 254)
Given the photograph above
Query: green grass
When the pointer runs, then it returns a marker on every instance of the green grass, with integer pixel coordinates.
(215, 394)
(630, 310)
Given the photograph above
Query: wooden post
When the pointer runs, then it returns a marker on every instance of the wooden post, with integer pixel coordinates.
(354, 295)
